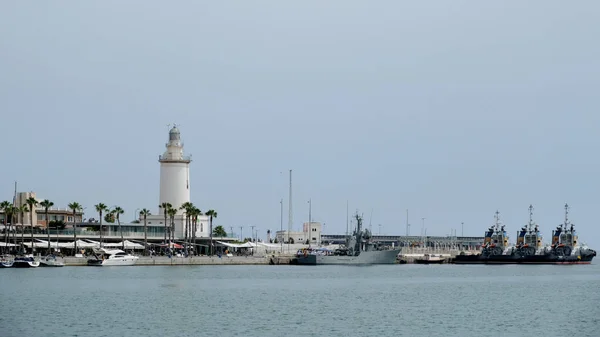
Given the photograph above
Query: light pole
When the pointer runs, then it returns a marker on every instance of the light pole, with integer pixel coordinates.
(423, 230)
(252, 237)
(231, 229)
(281, 223)
(241, 234)
(462, 229)
(309, 222)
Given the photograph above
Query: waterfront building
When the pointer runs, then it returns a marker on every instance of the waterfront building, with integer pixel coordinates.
(310, 231)
(39, 216)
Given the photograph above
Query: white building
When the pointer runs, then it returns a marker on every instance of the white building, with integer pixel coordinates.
(310, 230)
(175, 185)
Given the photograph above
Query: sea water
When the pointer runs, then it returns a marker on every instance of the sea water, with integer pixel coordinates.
(390, 300)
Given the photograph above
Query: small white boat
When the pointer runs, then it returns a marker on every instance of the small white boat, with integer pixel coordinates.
(25, 262)
(112, 257)
(51, 261)
(6, 261)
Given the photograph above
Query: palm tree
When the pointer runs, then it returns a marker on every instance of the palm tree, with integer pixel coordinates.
(21, 210)
(165, 207)
(47, 204)
(145, 213)
(118, 211)
(187, 207)
(196, 212)
(75, 207)
(212, 214)
(6, 207)
(14, 213)
(171, 212)
(100, 207)
(31, 203)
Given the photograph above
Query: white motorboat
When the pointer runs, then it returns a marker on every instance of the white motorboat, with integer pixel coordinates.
(112, 257)
(27, 261)
(51, 261)
(6, 261)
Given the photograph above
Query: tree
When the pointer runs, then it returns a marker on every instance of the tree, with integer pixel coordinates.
(117, 212)
(171, 213)
(6, 207)
(21, 210)
(188, 208)
(100, 208)
(47, 204)
(165, 206)
(220, 232)
(144, 213)
(75, 207)
(196, 212)
(212, 214)
(31, 203)
(57, 224)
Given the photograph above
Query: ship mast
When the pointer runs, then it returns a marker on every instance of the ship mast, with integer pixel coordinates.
(530, 216)
(566, 216)
(497, 217)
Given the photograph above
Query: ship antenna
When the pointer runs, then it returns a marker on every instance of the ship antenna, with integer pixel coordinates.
(530, 216)
(566, 215)
(497, 216)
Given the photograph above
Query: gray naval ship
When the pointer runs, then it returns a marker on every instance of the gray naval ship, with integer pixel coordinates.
(358, 250)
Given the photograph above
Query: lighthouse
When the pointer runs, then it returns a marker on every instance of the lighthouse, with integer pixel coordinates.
(174, 173)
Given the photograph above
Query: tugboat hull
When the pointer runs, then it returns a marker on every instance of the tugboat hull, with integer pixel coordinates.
(534, 259)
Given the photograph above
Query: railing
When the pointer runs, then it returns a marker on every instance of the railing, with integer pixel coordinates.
(172, 158)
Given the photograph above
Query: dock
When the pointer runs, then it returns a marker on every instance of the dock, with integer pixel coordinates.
(195, 260)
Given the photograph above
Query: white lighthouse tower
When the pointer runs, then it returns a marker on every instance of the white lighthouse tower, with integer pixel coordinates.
(174, 173)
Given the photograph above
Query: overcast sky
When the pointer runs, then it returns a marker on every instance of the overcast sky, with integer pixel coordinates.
(451, 109)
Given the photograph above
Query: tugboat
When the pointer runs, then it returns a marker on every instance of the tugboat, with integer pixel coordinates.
(565, 248)
(495, 243)
(358, 250)
(529, 239)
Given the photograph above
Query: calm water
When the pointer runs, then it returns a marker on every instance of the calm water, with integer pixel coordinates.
(396, 300)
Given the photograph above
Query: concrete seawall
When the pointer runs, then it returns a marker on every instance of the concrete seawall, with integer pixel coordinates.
(194, 261)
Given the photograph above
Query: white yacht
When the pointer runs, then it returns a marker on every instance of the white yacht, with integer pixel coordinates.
(6, 261)
(112, 257)
(51, 261)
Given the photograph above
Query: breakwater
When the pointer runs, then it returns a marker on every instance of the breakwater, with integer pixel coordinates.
(195, 260)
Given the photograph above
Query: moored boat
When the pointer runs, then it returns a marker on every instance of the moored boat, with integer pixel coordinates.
(358, 250)
(111, 257)
(430, 259)
(25, 262)
(51, 261)
(6, 261)
(565, 248)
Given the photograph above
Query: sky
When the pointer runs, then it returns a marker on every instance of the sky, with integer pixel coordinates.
(450, 109)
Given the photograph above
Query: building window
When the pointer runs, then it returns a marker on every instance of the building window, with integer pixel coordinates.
(41, 217)
(70, 219)
(201, 227)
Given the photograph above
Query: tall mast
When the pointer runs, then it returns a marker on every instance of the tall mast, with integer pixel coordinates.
(497, 216)
(566, 216)
(530, 216)
(290, 220)
(346, 217)
(407, 225)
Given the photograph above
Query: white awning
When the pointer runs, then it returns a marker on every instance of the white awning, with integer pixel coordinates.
(4, 244)
(128, 245)
(237, 245)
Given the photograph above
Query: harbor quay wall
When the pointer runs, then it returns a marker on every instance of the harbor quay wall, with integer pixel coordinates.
(194, 261)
